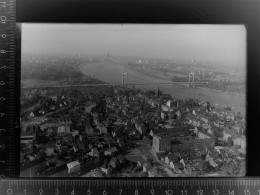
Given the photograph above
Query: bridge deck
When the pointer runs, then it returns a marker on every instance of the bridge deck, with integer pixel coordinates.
(109, 84)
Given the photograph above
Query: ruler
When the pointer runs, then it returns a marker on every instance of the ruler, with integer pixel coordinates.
(8, 60)
(185, 186)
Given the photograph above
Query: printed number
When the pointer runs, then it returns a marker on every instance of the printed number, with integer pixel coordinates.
(3, 67)
(215, 192)
(40, 191)
(152, 191)
(3, 4)
(2, 114)
(104, 192)
(57, 191)
(184, 192)
(168, 192)
(24, 191)
(9, 191)
(247, 192)
(231, 192)
(72, 192)
(200, 192)
(2, 99)
(3, 36)
(3, 19)
(120, 191)
(2, 82)
(88, 192)
(136, 192)
(2, 51)
(2, 130)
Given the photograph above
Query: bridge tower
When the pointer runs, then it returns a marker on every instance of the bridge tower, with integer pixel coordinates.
(191, 76)
(125, 79)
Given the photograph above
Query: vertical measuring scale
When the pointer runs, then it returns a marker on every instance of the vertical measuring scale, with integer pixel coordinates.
(8, 86)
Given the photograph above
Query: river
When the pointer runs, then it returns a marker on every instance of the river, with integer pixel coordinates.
(111, 72)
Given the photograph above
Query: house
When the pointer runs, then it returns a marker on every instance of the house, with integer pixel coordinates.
(31, 114)
(152, 173)
(63, 129)
(28, 138)
(110, 151)
(193, 120)
(171, 165)
(204, 135)
(163, 115)
(170, 103)
(49, 150)
(102, 128)
(166, 108)
(171, 159)
(114, 162)
(73, 167)
(240, 141)
(94, 152)
(89, 129)
(139, 126)
(106, 169)
(153, 103)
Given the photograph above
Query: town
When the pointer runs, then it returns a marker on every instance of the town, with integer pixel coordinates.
(123, 131)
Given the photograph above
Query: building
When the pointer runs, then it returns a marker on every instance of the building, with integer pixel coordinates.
(73, 167)
(106, 169)
(110, 151)
(139, 126)
(63, 129)
(102, 128)
(94, 152)
(153, 103)
(181, 141)
(31, 114)
(27, 138)
(191, 144)
(49, 150)
(166, 108)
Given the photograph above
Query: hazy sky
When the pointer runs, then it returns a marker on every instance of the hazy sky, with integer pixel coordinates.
(226, 43)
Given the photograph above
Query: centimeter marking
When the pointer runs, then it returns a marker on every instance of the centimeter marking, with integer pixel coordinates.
(187, 186)
(7, 86)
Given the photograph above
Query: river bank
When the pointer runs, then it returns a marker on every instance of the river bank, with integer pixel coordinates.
(111, 72)
(219, 91)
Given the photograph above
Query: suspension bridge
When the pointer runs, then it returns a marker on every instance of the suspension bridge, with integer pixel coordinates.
(124, 83)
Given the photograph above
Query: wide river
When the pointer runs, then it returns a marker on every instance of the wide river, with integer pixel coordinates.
(111, 72)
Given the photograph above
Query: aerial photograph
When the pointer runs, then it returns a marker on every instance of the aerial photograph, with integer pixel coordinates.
(133, 100)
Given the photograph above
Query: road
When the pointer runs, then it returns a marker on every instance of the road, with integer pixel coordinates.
(40, 118)
(144, 150)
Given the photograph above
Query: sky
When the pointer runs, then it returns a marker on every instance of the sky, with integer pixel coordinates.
(221, 43)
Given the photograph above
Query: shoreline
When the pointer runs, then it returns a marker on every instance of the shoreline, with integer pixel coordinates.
(219, 91)
(199, 87)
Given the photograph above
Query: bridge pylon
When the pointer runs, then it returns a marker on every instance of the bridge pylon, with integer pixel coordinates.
(125, 79)
(191, 76)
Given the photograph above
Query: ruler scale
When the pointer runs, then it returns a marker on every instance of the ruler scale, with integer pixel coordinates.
(8, 46)
(245, 186)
